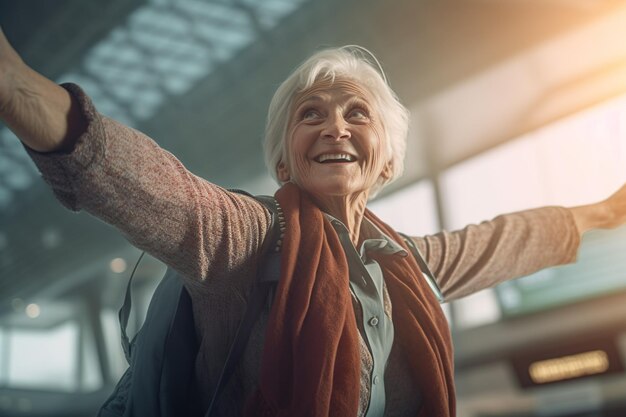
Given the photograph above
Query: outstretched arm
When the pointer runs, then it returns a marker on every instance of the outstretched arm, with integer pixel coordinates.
(124, 178)
(41, 113)
(515, 244)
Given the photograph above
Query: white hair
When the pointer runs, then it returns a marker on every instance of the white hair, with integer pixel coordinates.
(348, 62)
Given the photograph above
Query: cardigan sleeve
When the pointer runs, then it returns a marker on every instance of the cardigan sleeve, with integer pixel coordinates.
(124, 178)
(509, 246)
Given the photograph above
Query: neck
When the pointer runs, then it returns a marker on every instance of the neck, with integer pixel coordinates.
(347, 209)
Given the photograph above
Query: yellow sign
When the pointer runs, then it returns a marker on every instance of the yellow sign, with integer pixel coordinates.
(568, 367)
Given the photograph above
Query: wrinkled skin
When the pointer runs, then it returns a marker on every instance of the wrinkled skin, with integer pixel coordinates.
(10, 64)
(336, 118)
(42, 114)
(606, 214)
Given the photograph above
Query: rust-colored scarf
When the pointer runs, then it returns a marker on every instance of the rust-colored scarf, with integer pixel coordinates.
(311, 364)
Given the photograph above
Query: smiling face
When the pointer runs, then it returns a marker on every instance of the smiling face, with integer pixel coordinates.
(335, 145)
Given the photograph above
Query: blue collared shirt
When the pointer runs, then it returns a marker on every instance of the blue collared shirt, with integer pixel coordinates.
(368, 287)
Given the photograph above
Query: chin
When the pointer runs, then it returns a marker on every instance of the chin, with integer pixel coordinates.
(332, 189)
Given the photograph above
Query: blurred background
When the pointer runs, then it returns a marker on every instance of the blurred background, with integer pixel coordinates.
(514, 103)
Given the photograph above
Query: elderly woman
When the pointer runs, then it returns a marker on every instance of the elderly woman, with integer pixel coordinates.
(354, 329)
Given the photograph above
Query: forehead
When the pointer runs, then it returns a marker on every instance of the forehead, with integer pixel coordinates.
(339, 89)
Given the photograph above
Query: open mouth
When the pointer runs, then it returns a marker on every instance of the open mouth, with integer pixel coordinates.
(334, 158)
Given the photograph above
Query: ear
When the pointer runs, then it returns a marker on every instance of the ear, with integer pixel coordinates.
(283, 172)
(387, 171)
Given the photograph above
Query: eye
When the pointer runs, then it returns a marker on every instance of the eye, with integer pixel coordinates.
(310, 114)
(358, 113)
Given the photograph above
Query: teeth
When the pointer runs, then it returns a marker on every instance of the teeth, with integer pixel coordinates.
(335, 156)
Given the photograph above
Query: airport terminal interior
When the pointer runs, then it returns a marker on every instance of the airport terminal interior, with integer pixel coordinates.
(514, 104)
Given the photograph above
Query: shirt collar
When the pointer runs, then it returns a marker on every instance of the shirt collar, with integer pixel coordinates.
(375, 239)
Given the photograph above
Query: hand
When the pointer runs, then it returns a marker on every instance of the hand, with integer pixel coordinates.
(42, 114)
(615, 207)
(607, 214)
(10, 66)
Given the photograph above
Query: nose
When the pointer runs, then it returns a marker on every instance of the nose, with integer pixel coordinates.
(336, 128)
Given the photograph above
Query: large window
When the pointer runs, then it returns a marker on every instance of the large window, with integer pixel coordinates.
(48, 347)
(411, 210)
(576, 161)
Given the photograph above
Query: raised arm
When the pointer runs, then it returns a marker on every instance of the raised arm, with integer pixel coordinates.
(124, 178)
(513, 245)
(41, 113)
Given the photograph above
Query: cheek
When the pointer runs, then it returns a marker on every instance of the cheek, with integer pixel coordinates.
(300, 166)
(297, 150)
(377, 151)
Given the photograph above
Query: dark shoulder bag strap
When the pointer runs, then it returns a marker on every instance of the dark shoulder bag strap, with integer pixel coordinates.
(268, 274)
(124, 312)
(430, 277)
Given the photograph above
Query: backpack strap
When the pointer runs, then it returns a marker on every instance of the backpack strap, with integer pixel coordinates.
(430, 277)
(267, 276)
(124, 312)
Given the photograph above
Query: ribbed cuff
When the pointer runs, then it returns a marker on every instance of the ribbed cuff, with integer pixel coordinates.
(62, 169)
